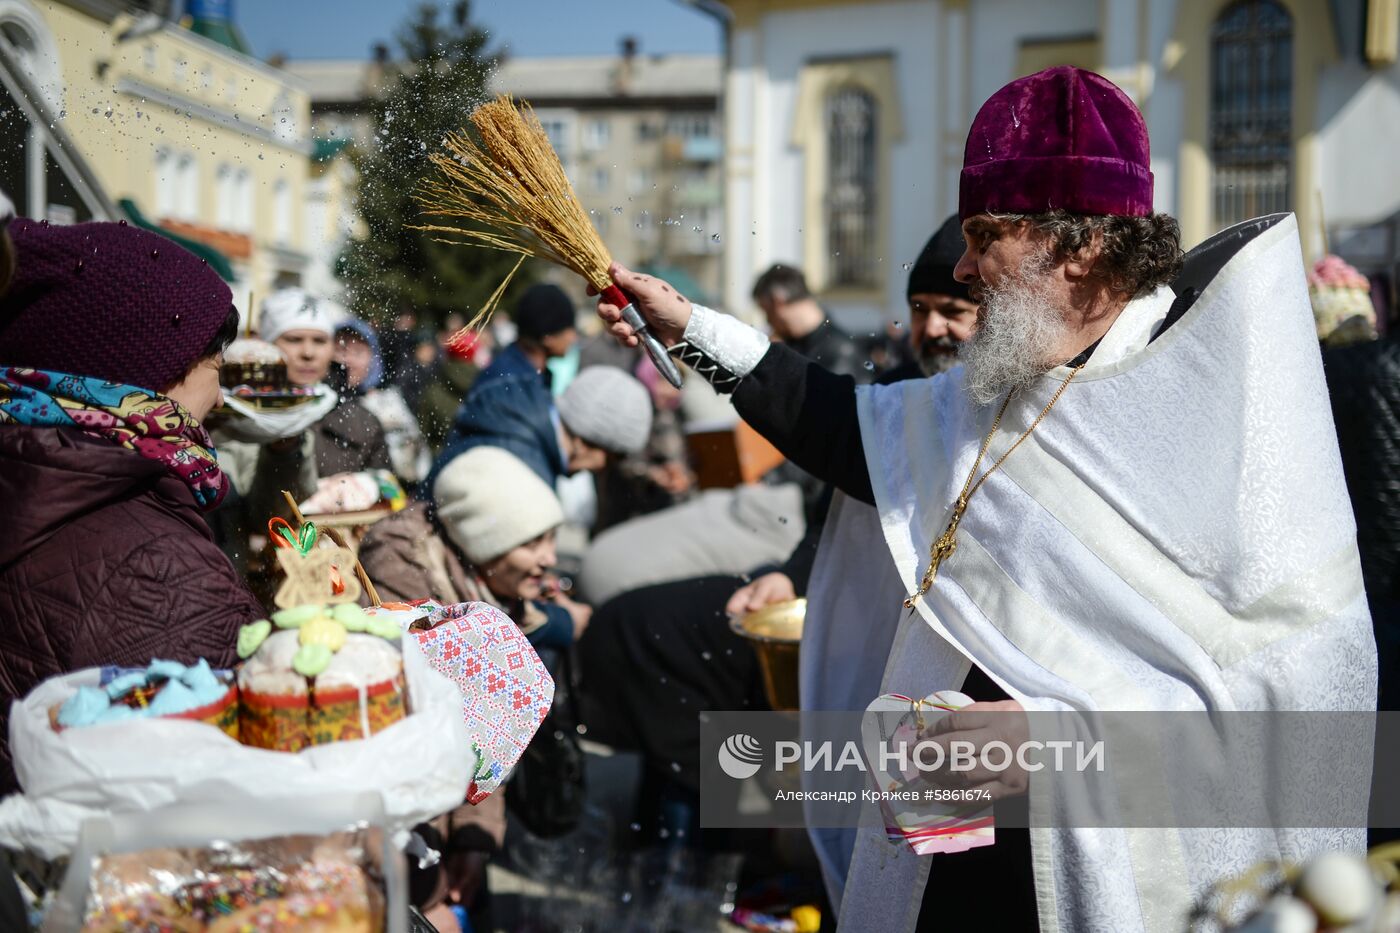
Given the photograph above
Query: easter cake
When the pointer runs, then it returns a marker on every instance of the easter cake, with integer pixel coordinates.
(315, 674)
(164, 689)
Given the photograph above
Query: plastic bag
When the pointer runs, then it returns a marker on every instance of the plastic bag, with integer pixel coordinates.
(190, 867)
(421, 764)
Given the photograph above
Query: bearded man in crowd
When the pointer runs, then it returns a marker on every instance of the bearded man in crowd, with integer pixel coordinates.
(1128, 497)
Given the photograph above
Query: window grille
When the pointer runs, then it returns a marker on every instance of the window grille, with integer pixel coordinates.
(851, 188)
(1251, 109)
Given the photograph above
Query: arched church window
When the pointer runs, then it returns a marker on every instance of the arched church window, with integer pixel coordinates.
(851, 116)
(1251, 110)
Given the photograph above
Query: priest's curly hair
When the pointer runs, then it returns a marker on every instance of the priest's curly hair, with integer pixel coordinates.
(1137, 254)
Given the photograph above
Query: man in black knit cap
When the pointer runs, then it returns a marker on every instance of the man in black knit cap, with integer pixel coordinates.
(941, 313)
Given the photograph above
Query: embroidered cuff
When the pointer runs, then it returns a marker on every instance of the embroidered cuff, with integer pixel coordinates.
(719, 347)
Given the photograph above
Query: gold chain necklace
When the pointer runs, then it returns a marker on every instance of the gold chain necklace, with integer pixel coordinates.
(947, 543)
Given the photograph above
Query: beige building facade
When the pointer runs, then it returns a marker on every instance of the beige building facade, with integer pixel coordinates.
(187, 133)
(639, 135)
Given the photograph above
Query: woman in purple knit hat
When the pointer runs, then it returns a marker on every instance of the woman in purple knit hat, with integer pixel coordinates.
(111, 339)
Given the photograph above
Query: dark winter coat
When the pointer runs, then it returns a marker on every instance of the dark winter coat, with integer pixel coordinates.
(512, 363)
(514, 412)
(1364, 382)
(835, 350)
(105, 560)
(349, 440)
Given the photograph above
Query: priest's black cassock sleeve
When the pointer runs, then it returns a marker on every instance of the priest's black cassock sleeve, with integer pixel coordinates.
(809, 414)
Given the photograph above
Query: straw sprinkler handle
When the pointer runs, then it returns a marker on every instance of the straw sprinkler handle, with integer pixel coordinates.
(655, 350)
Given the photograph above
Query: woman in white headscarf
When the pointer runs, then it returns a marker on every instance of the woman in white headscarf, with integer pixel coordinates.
(303, 327)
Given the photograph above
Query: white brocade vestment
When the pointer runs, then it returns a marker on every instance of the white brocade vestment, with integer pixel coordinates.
(1175, 535)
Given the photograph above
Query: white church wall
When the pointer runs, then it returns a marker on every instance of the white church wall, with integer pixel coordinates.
(772, 227)
(947, 59)
(746, 80)
(1163, 106)
(1359, 138)
(999, 27)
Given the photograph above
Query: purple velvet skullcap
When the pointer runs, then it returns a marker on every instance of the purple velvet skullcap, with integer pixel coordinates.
(110, 301)
(1063, 138)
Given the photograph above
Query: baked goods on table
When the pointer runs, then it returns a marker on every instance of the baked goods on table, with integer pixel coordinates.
(1333, 891)
(364, 491)
(254, 363)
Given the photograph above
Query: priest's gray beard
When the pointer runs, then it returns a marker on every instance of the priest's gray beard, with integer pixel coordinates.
(1018, 331)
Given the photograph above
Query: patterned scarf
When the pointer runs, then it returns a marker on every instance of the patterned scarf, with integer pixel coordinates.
(156, 427)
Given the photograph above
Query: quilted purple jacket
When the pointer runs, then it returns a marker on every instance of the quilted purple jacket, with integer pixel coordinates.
(104, 559)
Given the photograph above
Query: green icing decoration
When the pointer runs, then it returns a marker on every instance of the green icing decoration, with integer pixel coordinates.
(311, 660)
(297, 616)
(251, 637)
(384, 627)
(351, 616)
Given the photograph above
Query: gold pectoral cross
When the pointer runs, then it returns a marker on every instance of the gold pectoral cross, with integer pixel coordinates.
(942, 549)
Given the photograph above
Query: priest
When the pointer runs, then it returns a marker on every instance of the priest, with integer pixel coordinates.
(1127, 497)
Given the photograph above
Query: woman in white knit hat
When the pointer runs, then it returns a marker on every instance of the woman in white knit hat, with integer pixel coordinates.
(487, 536)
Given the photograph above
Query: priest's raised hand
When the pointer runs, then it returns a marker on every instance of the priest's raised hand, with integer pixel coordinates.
(665, 308)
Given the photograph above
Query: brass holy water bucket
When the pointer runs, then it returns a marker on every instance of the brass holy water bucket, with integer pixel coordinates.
(776, 635)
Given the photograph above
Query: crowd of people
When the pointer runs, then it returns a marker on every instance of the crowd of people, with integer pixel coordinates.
(141, 503)
(544, 468)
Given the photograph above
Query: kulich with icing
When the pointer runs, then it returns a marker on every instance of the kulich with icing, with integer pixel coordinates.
(315, 674)
(163, 689)
(255, 365)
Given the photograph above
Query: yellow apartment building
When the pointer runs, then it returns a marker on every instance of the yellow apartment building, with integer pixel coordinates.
(114, 113)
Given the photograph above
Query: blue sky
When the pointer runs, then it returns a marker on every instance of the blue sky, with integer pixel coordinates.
(527, 28)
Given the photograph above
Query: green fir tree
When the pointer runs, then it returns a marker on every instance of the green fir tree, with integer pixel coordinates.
(443, 73)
